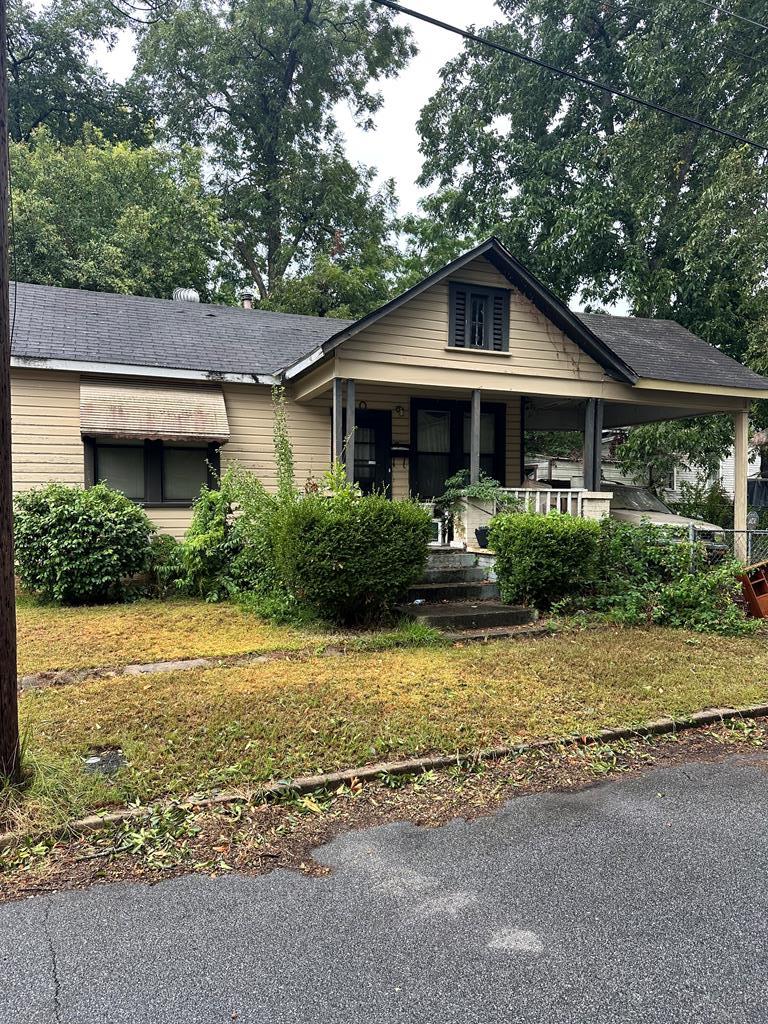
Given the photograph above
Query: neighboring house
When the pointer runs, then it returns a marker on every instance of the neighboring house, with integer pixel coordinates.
(569, 472)
(147, 393)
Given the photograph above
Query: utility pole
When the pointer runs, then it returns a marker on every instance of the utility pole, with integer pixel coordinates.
(9, 709)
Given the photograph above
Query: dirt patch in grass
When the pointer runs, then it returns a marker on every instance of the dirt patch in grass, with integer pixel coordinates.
(199, 731)
(256, 838)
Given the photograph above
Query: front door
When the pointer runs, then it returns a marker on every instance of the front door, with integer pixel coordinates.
(373, 450)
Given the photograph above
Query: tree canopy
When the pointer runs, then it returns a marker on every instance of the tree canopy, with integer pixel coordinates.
(112, 217)
(256, 82)
(53, 80)
(601, 197)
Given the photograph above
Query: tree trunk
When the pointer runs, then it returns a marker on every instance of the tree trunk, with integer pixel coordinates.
(9, 713)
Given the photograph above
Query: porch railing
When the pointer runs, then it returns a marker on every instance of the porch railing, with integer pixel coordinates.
(542, 501)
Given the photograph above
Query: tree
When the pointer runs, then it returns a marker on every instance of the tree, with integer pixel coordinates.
(348, 281)
(53, 82)
(112, 217)
(652, 452)
(600, 196)
(256, 83)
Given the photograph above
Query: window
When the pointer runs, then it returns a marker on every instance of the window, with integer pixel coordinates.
(479, 317)
(152, 472)
(440, 443)
(122, 467)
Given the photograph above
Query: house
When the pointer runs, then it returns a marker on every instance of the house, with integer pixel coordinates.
(150, 393)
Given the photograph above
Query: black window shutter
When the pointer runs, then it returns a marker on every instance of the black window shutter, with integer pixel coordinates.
(459, 298)
(500, 322)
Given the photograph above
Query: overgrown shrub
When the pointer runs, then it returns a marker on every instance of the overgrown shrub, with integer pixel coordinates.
(541, 559)
(349, 558)
(76, 546)
(709, 502)
(166, 566)
(705, 602)
(227, 551)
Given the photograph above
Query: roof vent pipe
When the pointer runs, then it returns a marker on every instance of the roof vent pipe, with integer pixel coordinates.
(185, 295)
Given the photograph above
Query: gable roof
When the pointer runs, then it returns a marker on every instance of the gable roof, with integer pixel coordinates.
(62, 326)
(546, 301)
(101, 327)
(664, 350)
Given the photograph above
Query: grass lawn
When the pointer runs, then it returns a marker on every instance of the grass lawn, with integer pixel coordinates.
(52, 638)
(189, 731)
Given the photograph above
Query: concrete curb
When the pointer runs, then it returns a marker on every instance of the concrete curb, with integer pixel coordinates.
(413, 766)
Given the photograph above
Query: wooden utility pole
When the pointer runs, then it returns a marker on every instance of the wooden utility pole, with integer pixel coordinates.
(9, 711)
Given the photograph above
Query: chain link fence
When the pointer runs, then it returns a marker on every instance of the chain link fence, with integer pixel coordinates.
(748, 546)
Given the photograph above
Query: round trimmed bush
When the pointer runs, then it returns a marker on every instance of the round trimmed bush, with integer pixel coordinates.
(350, 559)
(76, 546)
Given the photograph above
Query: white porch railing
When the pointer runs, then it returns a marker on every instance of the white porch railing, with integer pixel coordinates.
(550, 500)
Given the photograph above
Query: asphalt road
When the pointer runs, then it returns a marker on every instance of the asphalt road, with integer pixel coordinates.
(639, 901)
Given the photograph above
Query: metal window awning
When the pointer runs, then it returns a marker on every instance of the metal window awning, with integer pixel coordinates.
(152, 412)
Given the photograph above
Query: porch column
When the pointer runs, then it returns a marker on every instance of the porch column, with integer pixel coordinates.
(337, 427)
(740, 460)
(593, 438)
(474, 439)
(349, 452)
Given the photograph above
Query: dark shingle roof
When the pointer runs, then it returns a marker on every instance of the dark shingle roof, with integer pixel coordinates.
(101, 327)
(663, 350)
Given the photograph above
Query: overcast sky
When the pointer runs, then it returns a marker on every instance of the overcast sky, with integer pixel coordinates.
(393, 147)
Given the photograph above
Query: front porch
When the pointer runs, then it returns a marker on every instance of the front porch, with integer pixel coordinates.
(407, 441)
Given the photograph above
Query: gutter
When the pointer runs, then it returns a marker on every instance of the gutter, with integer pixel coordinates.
(130, 370)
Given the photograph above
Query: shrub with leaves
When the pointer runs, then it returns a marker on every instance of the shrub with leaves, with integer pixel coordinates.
(76, 546)
(541, 559)
(349, 558)
(705, 602)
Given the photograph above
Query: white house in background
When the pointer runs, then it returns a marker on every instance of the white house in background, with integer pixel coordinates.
(570, 472)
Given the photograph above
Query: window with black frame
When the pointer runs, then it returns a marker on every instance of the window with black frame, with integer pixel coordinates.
(153, 472)
(441, 441)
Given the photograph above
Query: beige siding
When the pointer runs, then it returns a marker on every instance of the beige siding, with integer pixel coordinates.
(170, 520)
(249, 410)
(45, 422)
(416, 334)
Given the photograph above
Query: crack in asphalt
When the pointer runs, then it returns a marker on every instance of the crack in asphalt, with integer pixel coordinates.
(54, 962)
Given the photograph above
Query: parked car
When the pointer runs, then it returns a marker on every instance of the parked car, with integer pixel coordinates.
(639, 504)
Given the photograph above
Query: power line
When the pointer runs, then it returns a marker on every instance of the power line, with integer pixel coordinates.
(732, 14)
(589, 82)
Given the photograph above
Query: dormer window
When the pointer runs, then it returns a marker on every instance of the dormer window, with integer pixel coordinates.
(479, 317)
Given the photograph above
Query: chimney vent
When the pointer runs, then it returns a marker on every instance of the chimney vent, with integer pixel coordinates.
(185, 295)
(246, 298)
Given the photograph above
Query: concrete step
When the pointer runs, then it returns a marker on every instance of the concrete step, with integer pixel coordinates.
(434, 593)
(470, 615)
(466, 574)
(450, 558)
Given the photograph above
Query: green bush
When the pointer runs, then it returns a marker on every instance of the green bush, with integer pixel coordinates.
(349, 558)
(227, 551)
(76, 546)
(705, 602)
(541, 559)
(167, 573)
(708, 502)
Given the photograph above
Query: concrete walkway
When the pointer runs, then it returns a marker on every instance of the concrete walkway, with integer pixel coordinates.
(639, 901)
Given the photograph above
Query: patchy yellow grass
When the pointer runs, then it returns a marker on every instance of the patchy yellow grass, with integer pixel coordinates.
(52, 638)
(188, 731)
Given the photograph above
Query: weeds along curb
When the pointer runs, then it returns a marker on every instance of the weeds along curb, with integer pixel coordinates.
(414, 766)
